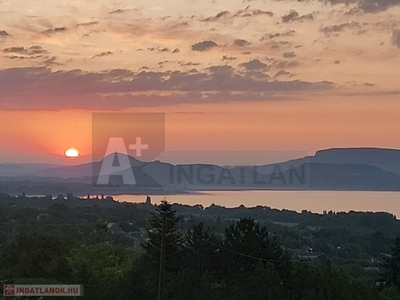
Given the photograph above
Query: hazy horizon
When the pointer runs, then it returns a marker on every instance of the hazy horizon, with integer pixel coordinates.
(206, 156)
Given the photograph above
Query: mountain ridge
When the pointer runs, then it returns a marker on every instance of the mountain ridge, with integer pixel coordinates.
(364, 168)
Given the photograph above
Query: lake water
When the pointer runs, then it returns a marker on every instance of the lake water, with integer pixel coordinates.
(315, 201)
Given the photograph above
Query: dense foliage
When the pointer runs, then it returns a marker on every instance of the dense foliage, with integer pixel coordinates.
(126, 251)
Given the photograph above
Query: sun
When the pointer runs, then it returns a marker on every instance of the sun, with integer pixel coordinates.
(72, 153)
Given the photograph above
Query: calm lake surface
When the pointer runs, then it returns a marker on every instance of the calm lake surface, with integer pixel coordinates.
(315, 201)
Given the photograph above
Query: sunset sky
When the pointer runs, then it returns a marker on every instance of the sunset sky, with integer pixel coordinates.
(248, 74)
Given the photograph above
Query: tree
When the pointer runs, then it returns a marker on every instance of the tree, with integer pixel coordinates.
(102, 269)
(36, 256)
(164, 225)
(248, 243)
(391, 266)
(255, 266)
(164, 242)
(201, 248)
(200, 265)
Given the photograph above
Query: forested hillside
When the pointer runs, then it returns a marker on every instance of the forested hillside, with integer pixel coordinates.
(122, 251)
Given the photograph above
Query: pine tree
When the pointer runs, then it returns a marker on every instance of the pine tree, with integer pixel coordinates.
(255, 265)
(201, 259)
(164, 235)
(201, 248)
(246, 241)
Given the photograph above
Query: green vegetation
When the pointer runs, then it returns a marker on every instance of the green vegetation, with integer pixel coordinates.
(141, 251)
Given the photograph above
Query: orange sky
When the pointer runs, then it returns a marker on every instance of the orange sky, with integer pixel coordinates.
(302, 75)
(294, 125)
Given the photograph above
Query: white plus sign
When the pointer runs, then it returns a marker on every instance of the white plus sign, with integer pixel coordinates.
(138, 146)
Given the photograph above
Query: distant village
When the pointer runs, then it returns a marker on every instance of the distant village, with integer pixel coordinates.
(69, 199)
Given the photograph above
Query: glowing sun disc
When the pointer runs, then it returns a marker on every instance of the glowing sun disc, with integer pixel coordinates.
(72, 153)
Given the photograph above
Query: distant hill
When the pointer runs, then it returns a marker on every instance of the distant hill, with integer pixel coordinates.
(357, 177)
(330, 169)
(386, 159)
(82, 170)
(24, 169)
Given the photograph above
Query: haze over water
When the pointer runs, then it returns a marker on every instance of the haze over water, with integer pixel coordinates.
(315, 201)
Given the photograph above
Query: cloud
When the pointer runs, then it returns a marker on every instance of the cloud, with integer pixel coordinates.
(226, 57)
(241, 43)
(247, 12)
(107, 53)
(278, 34)
(396, 38)
(217, 17)
(281, 73)
(223, 16)
(256, 12)
(55, 30)
(4, 33)
(118, 11)
(335, 29)
(25, 53)
(373, 6)
(285, 64)
(88, 23)
(34, 50)
(334, 2)
(158, 49)
(14, 50)
(290, 17)
(294, 16)
(188, 64)
(278, 44)
(254, 64)
(307, 17)
(289, 54)
(367, 6)
(221, 69)
(52, 61)
(19, 57)
(204, 46)
(41, 88)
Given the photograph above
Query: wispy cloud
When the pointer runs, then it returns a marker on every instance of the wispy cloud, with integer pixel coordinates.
(102, 54)
(217, 17)
(55, 30)
(337, 28)
(294, 16)
(22, 53)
